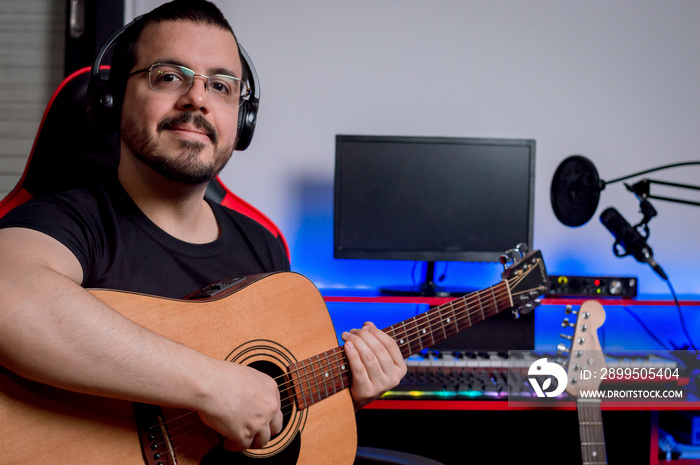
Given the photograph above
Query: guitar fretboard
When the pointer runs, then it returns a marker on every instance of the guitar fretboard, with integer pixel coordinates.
(590, 422)
(323, 375)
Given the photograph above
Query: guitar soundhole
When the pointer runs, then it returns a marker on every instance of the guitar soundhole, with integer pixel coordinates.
(289, 452)
(270, 358)
(284, 385)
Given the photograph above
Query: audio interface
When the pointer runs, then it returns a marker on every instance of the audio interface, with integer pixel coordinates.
(592, 286)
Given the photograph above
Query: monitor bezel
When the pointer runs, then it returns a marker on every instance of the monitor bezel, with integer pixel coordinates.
(339, 251)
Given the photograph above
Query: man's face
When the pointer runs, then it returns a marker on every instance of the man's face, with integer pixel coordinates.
(186, 138)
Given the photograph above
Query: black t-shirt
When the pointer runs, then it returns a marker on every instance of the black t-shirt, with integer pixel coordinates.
(120, 248)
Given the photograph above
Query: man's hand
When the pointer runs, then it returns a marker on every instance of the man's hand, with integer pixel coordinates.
(375, 362)
(245, 408)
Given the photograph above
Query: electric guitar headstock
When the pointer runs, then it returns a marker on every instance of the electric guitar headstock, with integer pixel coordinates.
(585, 353)
(526, 277)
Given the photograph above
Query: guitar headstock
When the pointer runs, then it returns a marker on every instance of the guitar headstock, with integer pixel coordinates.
(585, 352)
(526, 276)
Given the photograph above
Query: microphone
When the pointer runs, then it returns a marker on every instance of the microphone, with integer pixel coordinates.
(629, 238)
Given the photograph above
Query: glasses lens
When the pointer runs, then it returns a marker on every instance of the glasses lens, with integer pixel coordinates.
(170, 78)
(225, 89)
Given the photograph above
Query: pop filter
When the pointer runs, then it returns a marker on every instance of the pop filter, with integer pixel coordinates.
(575, 190)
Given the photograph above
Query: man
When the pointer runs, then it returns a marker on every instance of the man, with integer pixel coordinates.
(150, 230)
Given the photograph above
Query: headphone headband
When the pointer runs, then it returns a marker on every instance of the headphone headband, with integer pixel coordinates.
(100, 95)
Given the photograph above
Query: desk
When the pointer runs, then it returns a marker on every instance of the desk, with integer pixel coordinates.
(490, 430)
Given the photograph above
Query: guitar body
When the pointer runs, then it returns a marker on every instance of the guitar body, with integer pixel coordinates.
(269, 321)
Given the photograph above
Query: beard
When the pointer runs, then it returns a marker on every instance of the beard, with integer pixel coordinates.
(185, 166)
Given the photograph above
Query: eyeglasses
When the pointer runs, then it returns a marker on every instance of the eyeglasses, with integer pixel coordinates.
(176, 79)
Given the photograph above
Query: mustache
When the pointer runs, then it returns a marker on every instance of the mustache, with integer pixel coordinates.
(186, 118)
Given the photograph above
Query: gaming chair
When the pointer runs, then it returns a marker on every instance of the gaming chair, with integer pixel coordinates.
(68, 152)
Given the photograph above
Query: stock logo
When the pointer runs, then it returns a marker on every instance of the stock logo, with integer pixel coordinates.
(544, 370)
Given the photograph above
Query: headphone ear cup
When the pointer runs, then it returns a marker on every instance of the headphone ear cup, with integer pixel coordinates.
(100, 104)
(247, 114)
(248, 110)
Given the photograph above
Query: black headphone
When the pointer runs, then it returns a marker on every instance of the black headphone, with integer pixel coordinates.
(103, 114)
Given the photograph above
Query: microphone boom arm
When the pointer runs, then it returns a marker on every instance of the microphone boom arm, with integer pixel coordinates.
(642, 189)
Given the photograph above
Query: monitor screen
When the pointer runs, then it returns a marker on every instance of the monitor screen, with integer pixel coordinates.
(432, 198)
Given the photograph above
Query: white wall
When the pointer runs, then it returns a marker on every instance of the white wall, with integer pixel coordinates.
(614, 80)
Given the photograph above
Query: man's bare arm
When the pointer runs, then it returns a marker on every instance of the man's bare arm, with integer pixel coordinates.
(55, 332)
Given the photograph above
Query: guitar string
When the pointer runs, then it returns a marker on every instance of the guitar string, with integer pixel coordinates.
(455, 309)
(426, 316)
(421, 321)
(419, 328)
(317, 372)
(313, 393)
(173, 434)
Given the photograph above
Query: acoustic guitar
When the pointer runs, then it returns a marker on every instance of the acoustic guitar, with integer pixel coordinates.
(277, 323)
(586, 354)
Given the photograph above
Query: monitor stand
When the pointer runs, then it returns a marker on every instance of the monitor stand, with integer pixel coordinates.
(427, 288)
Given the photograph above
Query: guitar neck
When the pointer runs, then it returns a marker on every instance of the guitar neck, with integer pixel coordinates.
(323, 375)
(444, 321)
(590, 423)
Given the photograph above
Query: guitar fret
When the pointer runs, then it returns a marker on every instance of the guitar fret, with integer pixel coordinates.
(481, 306)
(308, 381)
(300, 392)
(469, 312)
(415, 331)
(344, 369)
(428, 333)
(314, 376)
(442, 325)
(403, 343)
(340, 371)
(495, 302)
(323, 373)
(454, 316)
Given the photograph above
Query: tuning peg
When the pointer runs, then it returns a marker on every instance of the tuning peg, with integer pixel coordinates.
(567, 324)
(504, 261)
(563, 349)
(569, 311)
(514, 255)
(566, 336)
(529, 306)
(522, 248)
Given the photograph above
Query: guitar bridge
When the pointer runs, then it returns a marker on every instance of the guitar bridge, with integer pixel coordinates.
(153, 435)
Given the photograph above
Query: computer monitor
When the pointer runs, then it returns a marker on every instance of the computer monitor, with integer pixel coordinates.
(432, 199)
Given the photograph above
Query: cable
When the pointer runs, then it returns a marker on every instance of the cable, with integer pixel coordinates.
(680, 314)
(413, 273)
(674, 165)
(443, 275)
(639, 320)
